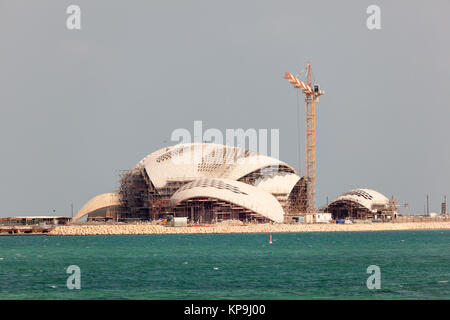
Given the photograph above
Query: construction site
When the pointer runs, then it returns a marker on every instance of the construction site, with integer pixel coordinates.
(231, 183)
(140, 200)
(252, 187)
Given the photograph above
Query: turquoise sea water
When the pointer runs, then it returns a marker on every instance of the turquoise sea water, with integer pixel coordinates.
(414, 265)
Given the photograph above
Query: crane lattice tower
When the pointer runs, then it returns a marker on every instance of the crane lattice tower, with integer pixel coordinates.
(312, 93)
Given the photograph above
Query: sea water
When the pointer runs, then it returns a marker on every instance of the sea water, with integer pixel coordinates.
(413, 265)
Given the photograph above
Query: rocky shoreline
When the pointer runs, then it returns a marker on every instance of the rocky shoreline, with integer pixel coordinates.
(147, 228)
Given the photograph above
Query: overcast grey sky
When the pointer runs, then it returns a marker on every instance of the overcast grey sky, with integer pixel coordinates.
(76, 107)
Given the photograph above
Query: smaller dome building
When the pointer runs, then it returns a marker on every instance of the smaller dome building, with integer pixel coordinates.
(102, 207)
(362, 204)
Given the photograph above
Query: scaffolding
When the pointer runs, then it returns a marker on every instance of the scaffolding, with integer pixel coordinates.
(211, 210)
(140, 200)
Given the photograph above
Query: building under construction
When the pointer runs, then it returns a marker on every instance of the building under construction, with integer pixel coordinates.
(363, 204)
(206, 183)
(209, 182)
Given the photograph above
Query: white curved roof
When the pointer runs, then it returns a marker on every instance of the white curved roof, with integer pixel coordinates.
(188, 162)
(98, 202)
(280, 183)
(232, 191)
(364, 197)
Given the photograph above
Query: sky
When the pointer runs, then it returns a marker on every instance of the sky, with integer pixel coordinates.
(79, 106)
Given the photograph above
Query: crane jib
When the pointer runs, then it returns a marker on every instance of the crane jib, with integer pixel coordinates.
(297, 83)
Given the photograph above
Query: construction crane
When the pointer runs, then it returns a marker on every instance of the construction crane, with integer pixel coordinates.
(312, 93)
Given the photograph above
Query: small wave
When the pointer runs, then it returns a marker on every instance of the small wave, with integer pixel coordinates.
(443, 281)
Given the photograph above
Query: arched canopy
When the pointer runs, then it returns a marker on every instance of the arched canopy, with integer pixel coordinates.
(239, 193)
(367, 198)
(189, 162)
(102, 201)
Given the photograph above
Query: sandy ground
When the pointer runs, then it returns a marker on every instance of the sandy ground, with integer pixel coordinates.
(143, 228)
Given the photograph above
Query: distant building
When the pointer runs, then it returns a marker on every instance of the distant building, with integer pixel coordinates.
(362, 204)
(35, 220)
